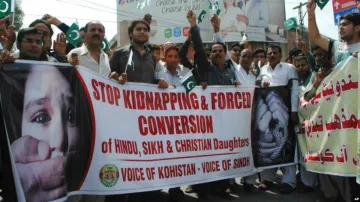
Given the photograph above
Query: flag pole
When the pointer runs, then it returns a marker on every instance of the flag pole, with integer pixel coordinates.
(13, 18)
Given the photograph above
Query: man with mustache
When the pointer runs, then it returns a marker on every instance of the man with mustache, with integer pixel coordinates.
(91, 54)
(218, 71)
(277, 73)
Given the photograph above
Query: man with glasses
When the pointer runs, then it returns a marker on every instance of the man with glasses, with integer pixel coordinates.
(142, 64)
(30, 44)
(91, 55)
(56, 55)
(59, 53)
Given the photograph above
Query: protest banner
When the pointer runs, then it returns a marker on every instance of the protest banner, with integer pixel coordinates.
(274, 140)
(328, 136)
(238, 18)
(72, 132)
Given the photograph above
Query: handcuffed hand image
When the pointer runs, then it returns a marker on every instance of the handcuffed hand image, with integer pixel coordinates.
(271, 122)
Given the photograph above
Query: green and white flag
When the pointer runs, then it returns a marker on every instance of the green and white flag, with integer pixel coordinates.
(105, 44)
(322, 3)
(130, 63)
(215, 7)
(143, 4)
(201, 16)
(290, 23)
(73, 35)
(6, 7)
(188, 81)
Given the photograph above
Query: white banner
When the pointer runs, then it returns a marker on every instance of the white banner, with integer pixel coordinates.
(70, 131)
(255, 18)
(155, 138)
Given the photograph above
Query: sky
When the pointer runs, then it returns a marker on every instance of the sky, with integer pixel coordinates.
(83, 11)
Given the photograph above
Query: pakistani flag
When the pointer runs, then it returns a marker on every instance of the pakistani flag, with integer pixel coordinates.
(6, 7)
(143, 4)
(201, 16)
(290, 23)
(215, 7)
(73, 35)
(130, 63)
(322, 3)
(105, 44)
(188, 81)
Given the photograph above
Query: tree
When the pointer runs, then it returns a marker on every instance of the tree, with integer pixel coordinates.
(19, 16)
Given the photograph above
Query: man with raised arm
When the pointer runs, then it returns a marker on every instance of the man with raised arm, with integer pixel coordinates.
(349, 32)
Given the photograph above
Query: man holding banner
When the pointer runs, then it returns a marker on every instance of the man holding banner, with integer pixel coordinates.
(135, 63)
(91, 55)
(277, 73)
(218, 71)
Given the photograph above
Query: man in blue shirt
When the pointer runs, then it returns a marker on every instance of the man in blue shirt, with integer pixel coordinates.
(170, 76)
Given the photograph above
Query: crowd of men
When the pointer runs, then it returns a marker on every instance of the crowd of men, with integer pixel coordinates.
(238, 65)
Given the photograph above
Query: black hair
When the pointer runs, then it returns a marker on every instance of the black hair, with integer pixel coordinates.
(273, 46)
(82, 29)
(294, 52)
(259, 50)
(92, 22)
(134, 23)
(242, 46)
(223, 45)
(26, 31)
(353, 18)
(172, 48)
(40, 21)
(301, 57)
(314, 47)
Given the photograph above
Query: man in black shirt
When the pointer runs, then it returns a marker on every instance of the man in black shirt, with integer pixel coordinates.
(141, 67)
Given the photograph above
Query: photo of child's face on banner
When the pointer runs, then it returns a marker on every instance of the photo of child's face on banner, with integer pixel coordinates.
(50, 128)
